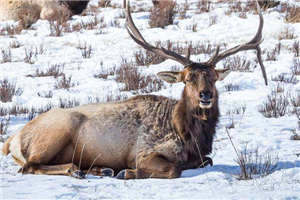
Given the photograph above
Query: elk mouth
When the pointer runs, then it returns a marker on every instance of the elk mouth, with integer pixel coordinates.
(205, 104)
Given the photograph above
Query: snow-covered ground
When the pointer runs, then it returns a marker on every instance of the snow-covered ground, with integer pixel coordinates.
(112, 43)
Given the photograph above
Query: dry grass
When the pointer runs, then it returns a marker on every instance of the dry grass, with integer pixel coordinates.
(162, 14)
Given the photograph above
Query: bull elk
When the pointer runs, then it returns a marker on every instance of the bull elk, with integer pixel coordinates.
(142, 137)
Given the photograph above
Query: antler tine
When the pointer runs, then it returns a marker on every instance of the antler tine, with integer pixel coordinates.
(138, 38)
(252, 44)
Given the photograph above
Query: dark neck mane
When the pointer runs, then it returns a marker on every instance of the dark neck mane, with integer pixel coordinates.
(197, 134)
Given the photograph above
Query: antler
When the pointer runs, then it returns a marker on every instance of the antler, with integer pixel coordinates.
(138, 38)
(253, 44)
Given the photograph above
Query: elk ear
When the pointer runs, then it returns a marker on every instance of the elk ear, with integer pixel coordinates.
(170, 77)
(222, 73)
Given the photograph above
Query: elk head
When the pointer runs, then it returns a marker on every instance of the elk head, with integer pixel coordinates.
(199, 78)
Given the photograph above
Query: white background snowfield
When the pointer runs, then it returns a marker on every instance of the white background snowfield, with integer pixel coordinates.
(109, 45)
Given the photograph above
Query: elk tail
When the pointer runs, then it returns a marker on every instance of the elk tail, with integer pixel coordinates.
(5, 148)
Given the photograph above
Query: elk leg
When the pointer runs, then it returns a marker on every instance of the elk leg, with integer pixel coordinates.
(64, 169)
(152, 166)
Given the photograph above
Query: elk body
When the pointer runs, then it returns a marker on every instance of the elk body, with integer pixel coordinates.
(143, 137)
(31, 10)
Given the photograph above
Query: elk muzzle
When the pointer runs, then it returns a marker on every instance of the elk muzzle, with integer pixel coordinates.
(206, 99)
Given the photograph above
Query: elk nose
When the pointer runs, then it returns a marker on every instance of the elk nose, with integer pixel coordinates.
(205, 95)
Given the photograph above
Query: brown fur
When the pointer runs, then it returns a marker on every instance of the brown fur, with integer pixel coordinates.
(29, 11)
(5, 148)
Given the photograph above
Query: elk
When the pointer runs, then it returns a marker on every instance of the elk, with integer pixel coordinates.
(30, 11)
(143, 137)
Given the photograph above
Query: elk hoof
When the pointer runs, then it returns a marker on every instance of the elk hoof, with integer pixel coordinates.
(206, 161)
(107, 172)
(121, 174)
(78, 174)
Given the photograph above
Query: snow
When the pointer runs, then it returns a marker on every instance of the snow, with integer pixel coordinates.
(252, 128)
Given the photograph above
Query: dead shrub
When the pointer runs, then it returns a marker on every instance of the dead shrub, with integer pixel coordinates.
(162, 14)
(18, 110)
(237, 63)
(279, 88)
(213, 20)
(29, 54)
(90, 24)
(57, 27)
(296, 48)
(15, 44)
(256, 164)
(182, 10)
(8, 90)
(3, 111)
(275, 106)
(115, 97)
(232, 87)
(272, 55)
(86, 50)
(203, 6)
(4, 125)
(45, 94)
(54, 70)
(134, 80)
(295, 101)
(11, 30)
(64, 82)
(104, 3)
(104, 73)
(296, 67)
(285, 78)
(68, 103)
(33, 112)
(5, 55)
(287, 34)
